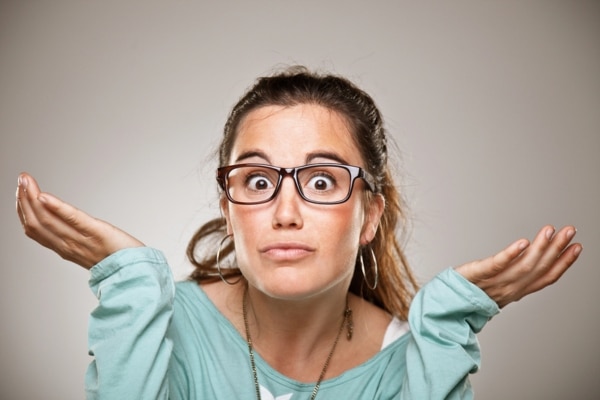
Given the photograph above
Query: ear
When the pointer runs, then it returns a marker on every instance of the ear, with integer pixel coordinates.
(224, 206)
(373, 216)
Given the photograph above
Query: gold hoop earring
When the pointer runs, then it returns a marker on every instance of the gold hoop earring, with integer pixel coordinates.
(219, 262)
(374, 266)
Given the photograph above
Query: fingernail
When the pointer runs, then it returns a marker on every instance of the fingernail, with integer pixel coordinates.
(22, 181)
(570, 234)
(577, 250)
(42, 199)
(549, 233)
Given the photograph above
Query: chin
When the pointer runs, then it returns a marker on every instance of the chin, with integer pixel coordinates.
(288, 290)
(293, 287)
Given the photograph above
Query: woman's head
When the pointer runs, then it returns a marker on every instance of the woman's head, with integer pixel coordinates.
(296, 219)
(362, 121)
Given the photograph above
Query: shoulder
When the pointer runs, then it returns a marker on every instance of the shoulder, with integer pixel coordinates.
(372, 318)
(226, 300)
(198, 308)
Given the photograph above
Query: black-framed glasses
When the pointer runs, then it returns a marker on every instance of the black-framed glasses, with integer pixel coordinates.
(316, 183)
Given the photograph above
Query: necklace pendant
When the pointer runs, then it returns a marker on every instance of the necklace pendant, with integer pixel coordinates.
(349, 323)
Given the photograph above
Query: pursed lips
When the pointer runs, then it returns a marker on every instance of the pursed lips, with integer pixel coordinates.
(286, 250)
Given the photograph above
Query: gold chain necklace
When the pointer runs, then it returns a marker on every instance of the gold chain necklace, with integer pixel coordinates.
(347, 322)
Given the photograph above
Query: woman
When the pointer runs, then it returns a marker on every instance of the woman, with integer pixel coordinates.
(301, 289)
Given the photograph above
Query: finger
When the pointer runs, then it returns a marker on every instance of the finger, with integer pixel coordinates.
(20, 212)
(480, 271)
(18, 194)
(39, 223)
(53, 232)
(71, 215)
(561, 264)
(504, 258)
(76, 222)
(540, 243)
(531, 257)
(500, 262)
(546, 247)
(557, 244)
(27, 190)
(38, 206)
(62, 220)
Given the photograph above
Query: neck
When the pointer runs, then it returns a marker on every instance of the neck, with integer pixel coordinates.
(295, 337)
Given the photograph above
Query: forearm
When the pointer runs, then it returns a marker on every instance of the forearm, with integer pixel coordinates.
(127, 330)
(445, 317)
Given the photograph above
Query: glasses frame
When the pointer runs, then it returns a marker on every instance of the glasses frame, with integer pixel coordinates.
(354, 171)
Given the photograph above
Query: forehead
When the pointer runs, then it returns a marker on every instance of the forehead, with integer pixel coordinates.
(291, 136)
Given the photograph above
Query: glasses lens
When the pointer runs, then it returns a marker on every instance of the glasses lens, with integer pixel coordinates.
(324, 184)
(251, 184)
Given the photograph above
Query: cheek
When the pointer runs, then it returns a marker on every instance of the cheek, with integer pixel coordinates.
(356, 217)
(343, 229)
(245, 228)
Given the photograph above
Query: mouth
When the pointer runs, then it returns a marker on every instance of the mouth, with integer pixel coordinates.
(286, 251)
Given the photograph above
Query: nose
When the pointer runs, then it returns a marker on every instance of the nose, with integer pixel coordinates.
(287, 205)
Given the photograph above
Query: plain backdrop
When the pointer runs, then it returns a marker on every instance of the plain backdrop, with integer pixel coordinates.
(117, 106)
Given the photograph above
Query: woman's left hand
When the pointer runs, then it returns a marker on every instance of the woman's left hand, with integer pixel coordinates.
(523, 268)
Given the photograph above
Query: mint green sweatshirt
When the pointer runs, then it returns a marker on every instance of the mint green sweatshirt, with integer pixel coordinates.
(152, 338)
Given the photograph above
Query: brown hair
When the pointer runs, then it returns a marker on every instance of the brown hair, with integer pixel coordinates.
(294, 86)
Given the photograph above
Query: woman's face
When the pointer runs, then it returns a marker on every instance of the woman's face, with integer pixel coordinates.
(289, 248)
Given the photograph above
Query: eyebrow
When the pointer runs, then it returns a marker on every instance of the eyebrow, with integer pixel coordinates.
(252, 153)
(309, 157)
(325, 154)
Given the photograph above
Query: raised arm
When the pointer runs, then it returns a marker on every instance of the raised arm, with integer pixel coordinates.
(523, 267)
(71, 233)
(448, 312)
(133, 284)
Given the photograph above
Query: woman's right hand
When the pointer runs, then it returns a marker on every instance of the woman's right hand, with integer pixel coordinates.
(71, 233)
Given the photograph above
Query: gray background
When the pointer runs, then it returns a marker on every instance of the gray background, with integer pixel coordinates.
(116, 106)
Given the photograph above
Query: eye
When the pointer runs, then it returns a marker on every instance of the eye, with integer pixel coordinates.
(321, 181)
(258, 181)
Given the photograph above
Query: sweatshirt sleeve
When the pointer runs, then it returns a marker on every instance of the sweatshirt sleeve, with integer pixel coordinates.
(127, 330)
(445, 316)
